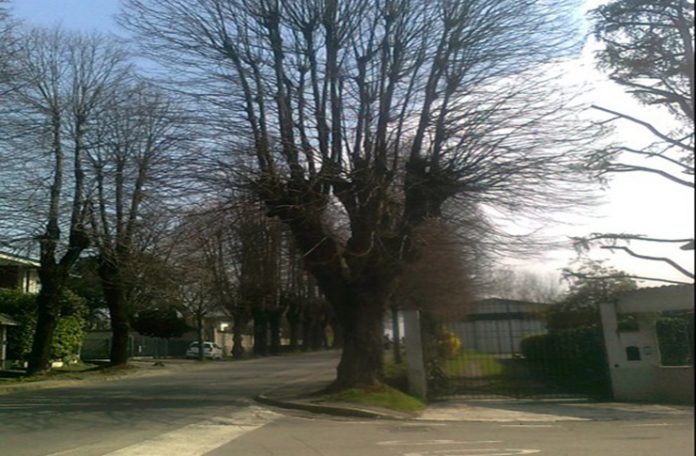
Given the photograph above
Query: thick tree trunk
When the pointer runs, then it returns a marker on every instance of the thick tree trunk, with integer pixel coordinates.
(48, 313)
(274, 325)
(396, 334)
(237, 339)
(337, 333)
(294, 334)
(361, 314)
(260, 334)
(199, 328)
(307, 325)
(319, 340)
(120, 324)
(120, 329)
(294, 318)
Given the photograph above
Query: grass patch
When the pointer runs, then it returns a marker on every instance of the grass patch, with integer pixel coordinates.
(380, 396)
(79, 371)
(472, 363)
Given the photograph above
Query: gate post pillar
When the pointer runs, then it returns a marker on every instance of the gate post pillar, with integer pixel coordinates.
(417, 384)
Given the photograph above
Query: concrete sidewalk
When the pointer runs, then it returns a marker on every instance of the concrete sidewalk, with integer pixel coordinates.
(547, 410)
(299, 395)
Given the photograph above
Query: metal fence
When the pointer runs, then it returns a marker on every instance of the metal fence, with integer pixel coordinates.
(96, 345)
(502, 348)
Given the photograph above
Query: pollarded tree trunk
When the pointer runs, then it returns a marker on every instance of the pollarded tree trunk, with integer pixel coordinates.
(294, 325)
(120, 328)
(274, 326)
(199, 332)
(319, 339)
(237, 338)
(338, 335)
(361, 317)
(48, 313)
(396, 334)
(260, 333)
(307, 325)
(115, 301)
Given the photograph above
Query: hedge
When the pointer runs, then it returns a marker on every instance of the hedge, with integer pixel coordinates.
(675, 336)
(574, 358)
(22, 308)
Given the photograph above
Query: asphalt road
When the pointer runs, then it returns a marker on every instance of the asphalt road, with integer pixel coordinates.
(208, 411)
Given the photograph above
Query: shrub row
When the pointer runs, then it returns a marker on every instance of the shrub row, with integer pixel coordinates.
(572, 357)
(22, 308)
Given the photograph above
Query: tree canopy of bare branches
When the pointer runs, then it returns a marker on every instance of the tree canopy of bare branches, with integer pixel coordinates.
(649, 50)
(134, 144)
(379, 111)
(60, 84)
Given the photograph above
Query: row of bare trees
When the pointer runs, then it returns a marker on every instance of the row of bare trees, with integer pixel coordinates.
(357, 124)
(238, 262)
(93, 161)
(85, 145)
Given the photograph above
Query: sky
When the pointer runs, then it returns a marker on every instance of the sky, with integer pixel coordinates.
(634, 203)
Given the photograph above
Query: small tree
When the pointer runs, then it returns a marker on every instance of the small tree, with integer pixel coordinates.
(592, 285)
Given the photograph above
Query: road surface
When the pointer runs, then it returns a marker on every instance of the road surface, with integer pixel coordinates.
(208, 410)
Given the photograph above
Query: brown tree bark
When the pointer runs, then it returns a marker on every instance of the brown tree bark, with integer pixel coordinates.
(48, 313)
(237, 338)
(274, 327)
(361, 360)
(115, 301)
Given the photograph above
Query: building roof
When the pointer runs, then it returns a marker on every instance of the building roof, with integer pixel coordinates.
(512, 302)
(658, 299)
(12, 259)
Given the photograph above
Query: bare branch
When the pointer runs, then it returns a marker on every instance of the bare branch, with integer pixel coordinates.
(648, 126)
(652, 258)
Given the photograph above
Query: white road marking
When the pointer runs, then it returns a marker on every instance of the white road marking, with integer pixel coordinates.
(647, 424)
(198, 438)
(529, 425)
(477, 452)
(435, 442)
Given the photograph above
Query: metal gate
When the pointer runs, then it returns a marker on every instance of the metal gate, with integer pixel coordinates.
(501, 347)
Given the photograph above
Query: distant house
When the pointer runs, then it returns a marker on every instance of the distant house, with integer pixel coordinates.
(498, 325)
(19, 273)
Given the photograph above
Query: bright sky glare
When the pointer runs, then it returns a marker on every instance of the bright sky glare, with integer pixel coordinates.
(635, 203)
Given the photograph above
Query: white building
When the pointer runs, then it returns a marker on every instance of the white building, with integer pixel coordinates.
(498, 325)
(19, 273)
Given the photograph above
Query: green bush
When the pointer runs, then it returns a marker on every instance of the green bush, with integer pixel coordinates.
(22, 308)
(675, 336)
(574, 358)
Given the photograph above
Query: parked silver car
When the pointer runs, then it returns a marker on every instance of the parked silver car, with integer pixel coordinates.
(211, 350)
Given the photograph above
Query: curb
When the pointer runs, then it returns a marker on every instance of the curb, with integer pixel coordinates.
(349, 412)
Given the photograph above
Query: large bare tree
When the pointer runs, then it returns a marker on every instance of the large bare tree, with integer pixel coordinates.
(377, 112)
(61, 82)
(135, 143)
(648, 49)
